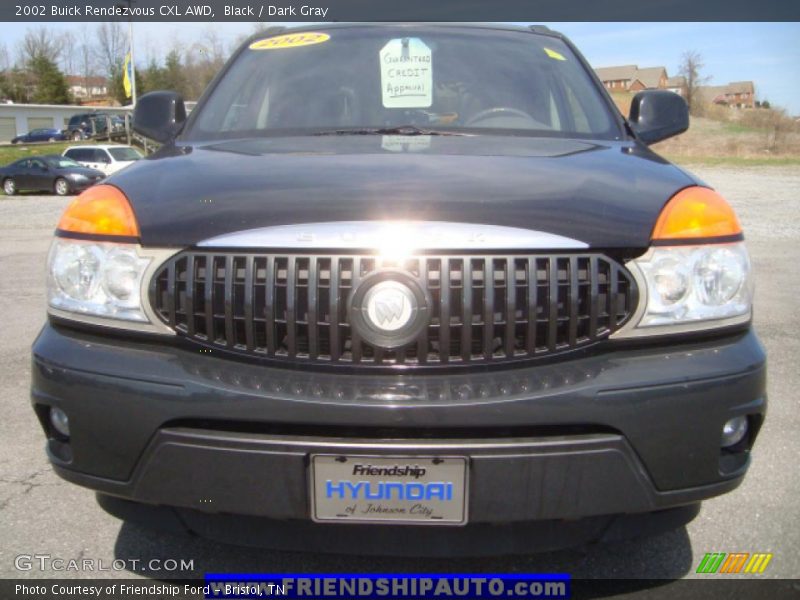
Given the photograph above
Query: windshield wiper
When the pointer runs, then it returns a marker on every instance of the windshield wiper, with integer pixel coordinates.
(402, 130)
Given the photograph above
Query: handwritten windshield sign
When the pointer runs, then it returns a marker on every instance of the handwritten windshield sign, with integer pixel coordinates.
(406, 74)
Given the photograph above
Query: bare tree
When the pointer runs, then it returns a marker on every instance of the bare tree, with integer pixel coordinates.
(40, 44)
(690, 67)
(5, 58)
(86, 57)
(69, 52)
(111, 46)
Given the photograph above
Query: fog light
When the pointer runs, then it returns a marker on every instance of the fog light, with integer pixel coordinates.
(60, 421)
(734, 431)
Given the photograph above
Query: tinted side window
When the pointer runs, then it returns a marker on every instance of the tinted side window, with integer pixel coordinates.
(81, 154)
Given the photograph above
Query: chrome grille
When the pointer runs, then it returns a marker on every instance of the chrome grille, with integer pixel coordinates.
(485, 309)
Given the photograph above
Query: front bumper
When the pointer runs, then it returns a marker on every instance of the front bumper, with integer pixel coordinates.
(628, 431)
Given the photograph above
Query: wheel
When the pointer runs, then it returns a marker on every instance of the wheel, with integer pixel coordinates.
(61, 187)
(76, 136)
(14, 141)
(9, 186)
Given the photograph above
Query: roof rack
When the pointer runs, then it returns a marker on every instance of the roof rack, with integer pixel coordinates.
(545, 30)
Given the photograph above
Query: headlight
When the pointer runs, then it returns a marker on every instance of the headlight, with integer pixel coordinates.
(103, 279)
(696, 275)
(102, 283)
(685, 288)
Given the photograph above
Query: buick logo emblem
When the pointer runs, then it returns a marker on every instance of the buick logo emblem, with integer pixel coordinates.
(389, 309)
(389, 305)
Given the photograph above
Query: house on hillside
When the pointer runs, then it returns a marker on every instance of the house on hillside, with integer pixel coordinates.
(617, 78)
(678, 85)
(737, 94)
(85, 88)
(650, 78)
(630, 78)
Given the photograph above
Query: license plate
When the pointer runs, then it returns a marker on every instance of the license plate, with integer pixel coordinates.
(392, 490)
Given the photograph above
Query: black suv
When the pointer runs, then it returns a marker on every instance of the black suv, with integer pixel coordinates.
(402, 282)
(86, 126)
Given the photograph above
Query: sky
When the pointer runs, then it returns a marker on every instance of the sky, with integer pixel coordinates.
(766, 53)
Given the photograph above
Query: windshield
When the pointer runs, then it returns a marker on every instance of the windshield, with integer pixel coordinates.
(370, 79)
(62, 163)
(124, 154)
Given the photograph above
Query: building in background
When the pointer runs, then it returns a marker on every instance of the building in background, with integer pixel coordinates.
(678, 85)
(630, 78)
(737, 94)
(87, 88)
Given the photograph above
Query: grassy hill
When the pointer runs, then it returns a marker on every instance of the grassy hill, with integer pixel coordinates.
(726, 136)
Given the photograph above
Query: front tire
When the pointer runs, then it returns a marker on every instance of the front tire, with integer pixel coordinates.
(61, 187)
(76, 137)
(9, 186)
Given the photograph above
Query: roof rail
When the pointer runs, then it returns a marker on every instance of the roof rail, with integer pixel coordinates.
(267, 32)
(540, 29)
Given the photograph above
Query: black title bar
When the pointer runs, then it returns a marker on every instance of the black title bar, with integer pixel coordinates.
(399, 10)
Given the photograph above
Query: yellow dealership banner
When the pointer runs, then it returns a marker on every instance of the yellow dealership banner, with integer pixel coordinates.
(127, 75)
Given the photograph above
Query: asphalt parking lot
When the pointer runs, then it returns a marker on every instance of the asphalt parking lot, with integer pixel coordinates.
(40, 514)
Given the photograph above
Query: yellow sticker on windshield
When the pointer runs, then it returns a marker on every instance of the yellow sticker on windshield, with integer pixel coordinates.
(291, 40)
(554, 54)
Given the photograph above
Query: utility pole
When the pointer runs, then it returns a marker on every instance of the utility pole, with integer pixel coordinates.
(133, 62)
(130, 3)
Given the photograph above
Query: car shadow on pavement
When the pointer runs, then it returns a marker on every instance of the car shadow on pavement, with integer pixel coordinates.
(641, 564)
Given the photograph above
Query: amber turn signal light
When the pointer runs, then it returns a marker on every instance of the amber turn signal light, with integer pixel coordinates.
(100, 210)
(696, 212)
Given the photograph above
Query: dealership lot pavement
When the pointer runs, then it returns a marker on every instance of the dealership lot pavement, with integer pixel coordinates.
(40, 514)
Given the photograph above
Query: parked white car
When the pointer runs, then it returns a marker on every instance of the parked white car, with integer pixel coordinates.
(108, 158)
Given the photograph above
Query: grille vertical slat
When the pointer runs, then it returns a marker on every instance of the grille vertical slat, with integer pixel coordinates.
(269, 305)
(422, 342)
(488, 308)
(530, 306)
(466, 309)
(230, 337)
(355, 338)
(612, 300)
(249, 292)
(291, 307)
(208, 298)
(444, 311)
(593, 297)
(313, 341)
(190, 326)
(333, 309)
(511, 306)
(573, 300)
(171, 297)
(492, 308)
(552, 311)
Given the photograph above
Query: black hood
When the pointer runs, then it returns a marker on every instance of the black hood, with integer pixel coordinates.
(607, 194)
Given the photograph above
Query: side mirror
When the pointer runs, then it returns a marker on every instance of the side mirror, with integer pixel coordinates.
(159, 116)
(657, 115)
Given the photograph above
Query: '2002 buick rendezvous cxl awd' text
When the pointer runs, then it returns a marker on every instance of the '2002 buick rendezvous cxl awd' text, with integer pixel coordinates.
(402, 282)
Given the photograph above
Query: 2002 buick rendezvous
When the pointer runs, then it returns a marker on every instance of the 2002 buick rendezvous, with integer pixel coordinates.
(418, 283)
